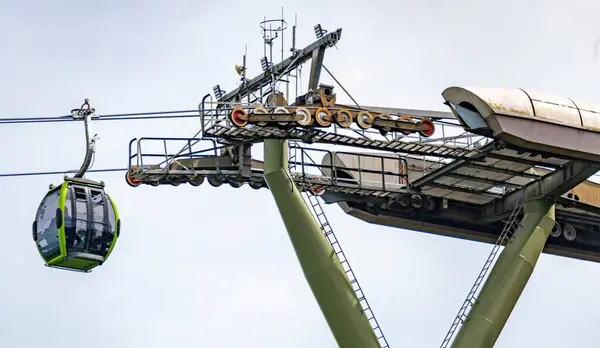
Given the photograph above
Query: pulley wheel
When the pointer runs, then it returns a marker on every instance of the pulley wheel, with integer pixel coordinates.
(364, 119)
(305, 116)
(569, 232)
(260, 110)
(556, 230)
(404, 201)
(429, 203)
(214, 181)
(318, 192)
(407, 119)
(429, 128)
(344, 118)
(281, 110)
(131, 181)
(385, 129)
(239, 117)
(323, 117)
(197, 180)
(235, 184)
(416, 201)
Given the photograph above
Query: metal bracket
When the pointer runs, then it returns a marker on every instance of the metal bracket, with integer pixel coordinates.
(85, 113)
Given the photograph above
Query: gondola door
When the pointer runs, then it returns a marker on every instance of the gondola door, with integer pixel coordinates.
(98, 222)
(81, 226)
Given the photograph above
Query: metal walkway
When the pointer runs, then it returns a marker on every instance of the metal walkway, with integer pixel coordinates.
(173, 161)
(223, 131)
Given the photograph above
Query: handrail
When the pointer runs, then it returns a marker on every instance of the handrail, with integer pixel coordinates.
(360, 170)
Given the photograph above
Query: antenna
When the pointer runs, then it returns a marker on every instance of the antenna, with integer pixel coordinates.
(294, 53)
(241, 70)
(270, 31)
(282, 32)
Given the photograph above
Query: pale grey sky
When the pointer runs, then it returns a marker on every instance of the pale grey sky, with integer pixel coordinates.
(206, 267)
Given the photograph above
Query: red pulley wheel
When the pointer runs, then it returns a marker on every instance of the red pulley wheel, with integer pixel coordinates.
(429, 128)
(236, 119)
(131, 181)
(318, 192)
(408, 119)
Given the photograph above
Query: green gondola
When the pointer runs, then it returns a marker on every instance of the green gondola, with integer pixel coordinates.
(77, 224)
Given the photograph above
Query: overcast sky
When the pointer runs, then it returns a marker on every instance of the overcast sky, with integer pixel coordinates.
(207, 267)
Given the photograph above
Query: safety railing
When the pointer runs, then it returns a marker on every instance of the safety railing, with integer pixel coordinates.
(378, 172)
(152, 159)
(157, 156)
(453, 135)
(214, 113)
(449, 134)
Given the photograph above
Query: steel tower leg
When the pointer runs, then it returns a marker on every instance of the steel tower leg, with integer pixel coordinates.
(318, 261)
(508, 278)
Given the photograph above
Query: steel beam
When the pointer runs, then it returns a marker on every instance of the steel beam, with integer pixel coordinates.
(584, 207)
(315, 68)
(483, 180)
(298, 58)
(321, 266)
(551, 185)
(508, 278)
(448, 168)
(523, 160)
(436, 115)
(472, 191)
(463, 223)
(503, 171)
(245, 160)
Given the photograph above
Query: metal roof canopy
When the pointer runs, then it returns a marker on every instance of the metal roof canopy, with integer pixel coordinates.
(482, 190)
(509, 170)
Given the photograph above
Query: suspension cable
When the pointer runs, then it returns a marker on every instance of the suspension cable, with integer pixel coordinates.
(7, 175)
(109, 117)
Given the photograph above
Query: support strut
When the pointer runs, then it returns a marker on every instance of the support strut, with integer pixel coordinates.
(319, 263)
(508, 278)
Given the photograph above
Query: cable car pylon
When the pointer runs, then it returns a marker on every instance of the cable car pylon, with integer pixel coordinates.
(322, 268)
(463, 313)
(311, 199)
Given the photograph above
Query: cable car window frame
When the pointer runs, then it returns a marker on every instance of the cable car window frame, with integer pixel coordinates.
(98, 221)
(112, 225)
(52, 215)
(69, 219)
(83, 191)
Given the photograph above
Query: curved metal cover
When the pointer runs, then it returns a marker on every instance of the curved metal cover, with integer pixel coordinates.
(527, 104)
(531, 120)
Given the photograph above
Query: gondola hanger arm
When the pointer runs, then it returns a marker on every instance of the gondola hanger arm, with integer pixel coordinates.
(85, 113)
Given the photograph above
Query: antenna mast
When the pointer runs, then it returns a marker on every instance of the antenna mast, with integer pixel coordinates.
(270, 31)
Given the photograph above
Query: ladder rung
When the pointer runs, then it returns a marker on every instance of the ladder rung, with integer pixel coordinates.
(470, 300)
(331, 238)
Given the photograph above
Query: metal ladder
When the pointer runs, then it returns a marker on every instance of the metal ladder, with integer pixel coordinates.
(313, 201)
(293, 155)
(506, 234)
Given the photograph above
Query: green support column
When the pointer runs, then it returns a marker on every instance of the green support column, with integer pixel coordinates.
(508, 278)
(320, 264)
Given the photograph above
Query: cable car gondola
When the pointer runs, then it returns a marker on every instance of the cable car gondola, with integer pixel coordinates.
(77, 224)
